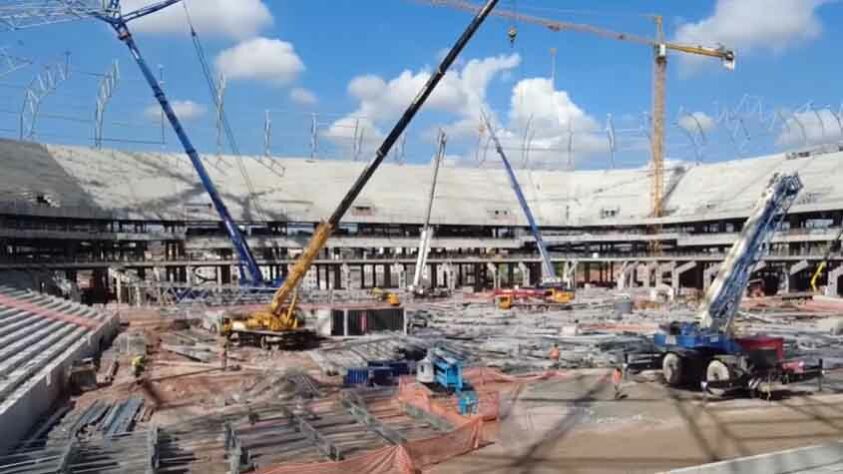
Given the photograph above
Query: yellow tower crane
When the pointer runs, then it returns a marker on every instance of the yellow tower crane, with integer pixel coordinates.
(660, 47)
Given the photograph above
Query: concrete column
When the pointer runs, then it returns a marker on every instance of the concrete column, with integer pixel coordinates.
(624, 279)
(677, 274)
(569, 274)
(399, 270)
(119, 282)
(449, 275)
(709, 274)
(387, 276)
(493, 269)
(662, 269)
(345, 274)
(831, 288)
(525, 274)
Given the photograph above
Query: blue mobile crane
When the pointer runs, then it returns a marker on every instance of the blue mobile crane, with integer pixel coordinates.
(707, 352)
(551, 285)
(113, 15)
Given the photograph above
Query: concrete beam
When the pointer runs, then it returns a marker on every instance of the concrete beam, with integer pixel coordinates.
(662, 269)
(685, 267)
(678, 270)
(798, 267)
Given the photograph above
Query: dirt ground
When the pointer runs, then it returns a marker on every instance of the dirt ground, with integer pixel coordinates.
(576, 426)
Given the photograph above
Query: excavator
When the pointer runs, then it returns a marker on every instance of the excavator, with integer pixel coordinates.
(279, 322)
(552, 290)
(833, 246)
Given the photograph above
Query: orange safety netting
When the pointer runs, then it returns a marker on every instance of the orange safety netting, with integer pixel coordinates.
(389, 460)
(407, 458)
(416, 455)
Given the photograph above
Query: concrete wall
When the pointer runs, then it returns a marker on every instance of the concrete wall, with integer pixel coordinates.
(43, 390)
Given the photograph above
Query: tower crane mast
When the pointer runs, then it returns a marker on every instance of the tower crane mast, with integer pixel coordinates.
(660, 48)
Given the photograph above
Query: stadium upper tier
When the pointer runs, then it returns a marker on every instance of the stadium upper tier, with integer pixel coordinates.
(85, 182)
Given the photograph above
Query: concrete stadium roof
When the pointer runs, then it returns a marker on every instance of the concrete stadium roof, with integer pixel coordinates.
(164, 187)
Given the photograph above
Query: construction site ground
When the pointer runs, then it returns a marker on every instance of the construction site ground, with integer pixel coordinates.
(577, 426)
(561, 416)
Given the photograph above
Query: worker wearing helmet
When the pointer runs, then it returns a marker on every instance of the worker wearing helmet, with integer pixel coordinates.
(138, 365)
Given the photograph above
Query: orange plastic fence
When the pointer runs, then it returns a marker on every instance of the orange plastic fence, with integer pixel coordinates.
(389, 460)
(420, 454)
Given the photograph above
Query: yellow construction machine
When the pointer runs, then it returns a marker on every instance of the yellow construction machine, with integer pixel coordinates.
(832, 246)
(279, 321)
(387, 296)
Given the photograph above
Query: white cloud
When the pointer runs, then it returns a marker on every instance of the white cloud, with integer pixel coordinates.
(226, 18)
(261, 59)
(696, 122)
(547, 111)
(303, 96)
(810, 128)
(754, 25)
(461, 92)
(185, 110)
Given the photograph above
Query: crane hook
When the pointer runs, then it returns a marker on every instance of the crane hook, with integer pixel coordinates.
(512, 33)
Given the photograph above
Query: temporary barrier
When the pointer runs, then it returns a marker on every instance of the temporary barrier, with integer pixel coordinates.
(407, 458)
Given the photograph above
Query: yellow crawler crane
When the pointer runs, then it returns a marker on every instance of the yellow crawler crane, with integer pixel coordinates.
(279, 319)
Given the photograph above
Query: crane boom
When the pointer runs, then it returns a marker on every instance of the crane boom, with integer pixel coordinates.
(559, 26)
(119, 23)
(427, 232)
(660, 48)
(325, 228)
(724, 295)
(548, 272)
(27, 15)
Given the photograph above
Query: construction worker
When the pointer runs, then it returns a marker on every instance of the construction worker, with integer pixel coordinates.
(554, 354)
(224, 354)
(617, 378)
(138, 365)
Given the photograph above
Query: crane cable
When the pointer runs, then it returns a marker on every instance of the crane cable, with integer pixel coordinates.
(232, 142)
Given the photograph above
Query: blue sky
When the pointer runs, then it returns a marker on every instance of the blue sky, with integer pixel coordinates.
(356, 64)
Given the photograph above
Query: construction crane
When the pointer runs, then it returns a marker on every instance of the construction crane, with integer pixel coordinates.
(278, 307)
(25, 15)
(707, 352)
(427, 232)
(549, 280)
(660, 48)
(832, 246)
